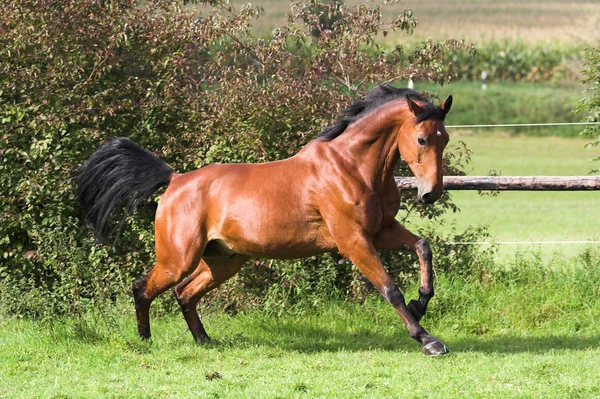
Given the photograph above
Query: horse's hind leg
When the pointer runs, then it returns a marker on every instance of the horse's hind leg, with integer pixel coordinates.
(396, 237)
(210, 273)
(146, 289)
(176, 255)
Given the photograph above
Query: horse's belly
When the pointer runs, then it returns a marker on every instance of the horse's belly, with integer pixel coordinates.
(277, 240)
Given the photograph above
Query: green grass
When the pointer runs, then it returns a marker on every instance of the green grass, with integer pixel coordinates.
(504, 103)
(520, 329)
(513, 334)
(522, 216)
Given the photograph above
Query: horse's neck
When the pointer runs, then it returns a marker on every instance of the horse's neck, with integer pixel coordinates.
(371, 142)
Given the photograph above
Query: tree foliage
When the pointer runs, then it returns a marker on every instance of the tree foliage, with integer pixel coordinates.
(193, 85)
(590, 103)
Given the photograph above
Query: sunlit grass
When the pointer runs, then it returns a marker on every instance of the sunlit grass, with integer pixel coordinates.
(517, 334)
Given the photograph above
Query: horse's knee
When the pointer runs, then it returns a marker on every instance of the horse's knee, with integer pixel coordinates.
(423, 249)
(186, 303)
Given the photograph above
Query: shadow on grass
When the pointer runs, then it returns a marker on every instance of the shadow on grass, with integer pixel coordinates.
(331, 333)
(513, 344)
(312, 339)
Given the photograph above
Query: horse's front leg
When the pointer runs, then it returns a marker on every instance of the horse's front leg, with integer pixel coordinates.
(396, 238)
(359, 248)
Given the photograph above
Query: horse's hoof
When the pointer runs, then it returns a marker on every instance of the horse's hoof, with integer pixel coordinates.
(434, 348)
(203, 340)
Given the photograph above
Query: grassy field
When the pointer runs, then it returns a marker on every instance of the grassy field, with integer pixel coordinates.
(517, 329)
(573, 22)
(521, 329)
(503, 103)
(530, 216)
(508, 338)
(481, 20)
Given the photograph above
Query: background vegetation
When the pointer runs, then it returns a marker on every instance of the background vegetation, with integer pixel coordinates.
(194, 88)
(200, 84)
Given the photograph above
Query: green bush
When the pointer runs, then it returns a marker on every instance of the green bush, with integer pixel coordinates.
(193, 87)
(590, 103)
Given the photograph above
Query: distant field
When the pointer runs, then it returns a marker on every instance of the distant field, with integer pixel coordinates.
(566, 21)
(537, 20)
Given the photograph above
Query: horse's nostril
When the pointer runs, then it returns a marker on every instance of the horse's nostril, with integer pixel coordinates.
(427, 198)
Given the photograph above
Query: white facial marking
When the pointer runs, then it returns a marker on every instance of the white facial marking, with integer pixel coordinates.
(439, 133)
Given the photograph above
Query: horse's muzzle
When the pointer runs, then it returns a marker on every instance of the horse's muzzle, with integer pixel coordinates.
(428, 196)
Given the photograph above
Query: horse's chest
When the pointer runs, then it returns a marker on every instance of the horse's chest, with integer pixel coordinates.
(373, 213)
(383, 208)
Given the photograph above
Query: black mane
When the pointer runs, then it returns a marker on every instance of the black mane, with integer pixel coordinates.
(375, 98)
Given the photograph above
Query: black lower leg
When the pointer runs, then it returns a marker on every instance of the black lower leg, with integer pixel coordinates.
(190, 314)
(142, 308)
(431, 346)
(393, 295)
(418, 308)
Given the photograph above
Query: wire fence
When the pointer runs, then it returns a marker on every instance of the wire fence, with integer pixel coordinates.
(525, 124)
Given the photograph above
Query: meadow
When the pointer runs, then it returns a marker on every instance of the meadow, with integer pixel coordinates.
(526, 151)
(525, 333)
(523, 327)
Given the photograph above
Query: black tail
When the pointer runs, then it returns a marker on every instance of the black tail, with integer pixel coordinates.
(120, 174)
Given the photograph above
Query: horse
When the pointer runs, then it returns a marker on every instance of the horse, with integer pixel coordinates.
(337, 194)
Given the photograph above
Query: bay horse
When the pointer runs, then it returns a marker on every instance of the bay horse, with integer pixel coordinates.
(337, 194)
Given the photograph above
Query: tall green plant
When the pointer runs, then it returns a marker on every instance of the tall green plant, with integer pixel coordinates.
(517, 61)
(590, 103)
(193, 85)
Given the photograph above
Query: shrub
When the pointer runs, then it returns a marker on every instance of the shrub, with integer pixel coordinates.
(590, 103)
(191, 85)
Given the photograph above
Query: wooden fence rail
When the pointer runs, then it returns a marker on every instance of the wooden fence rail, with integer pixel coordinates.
(511, 183)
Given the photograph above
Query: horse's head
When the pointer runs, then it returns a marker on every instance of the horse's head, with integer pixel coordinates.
(421, 142)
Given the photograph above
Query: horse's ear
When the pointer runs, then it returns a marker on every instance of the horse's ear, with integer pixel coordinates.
(446, 105)
(415, 108)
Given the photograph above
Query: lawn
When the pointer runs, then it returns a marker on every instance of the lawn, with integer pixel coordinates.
(508, 338)
(522, 216)
(520, 329)
(515, 327)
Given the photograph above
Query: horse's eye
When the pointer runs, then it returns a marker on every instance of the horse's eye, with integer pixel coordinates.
(422, 140)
